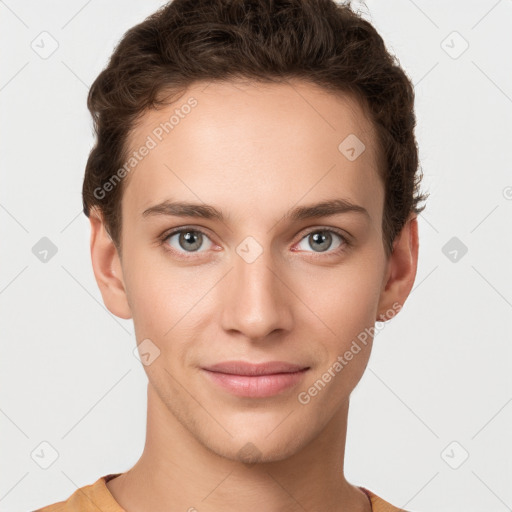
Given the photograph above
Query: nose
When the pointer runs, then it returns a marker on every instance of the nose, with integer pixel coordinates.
(258, 302)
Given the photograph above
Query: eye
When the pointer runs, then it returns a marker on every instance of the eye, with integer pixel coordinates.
(322, 239)
(186, 240)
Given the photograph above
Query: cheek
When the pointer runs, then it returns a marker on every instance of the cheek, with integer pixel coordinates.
(345, 299)
(166, 299)
(161, 311)
(348, 308)
(153, 293)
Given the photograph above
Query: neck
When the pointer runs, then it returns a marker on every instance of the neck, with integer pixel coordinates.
(176, 471)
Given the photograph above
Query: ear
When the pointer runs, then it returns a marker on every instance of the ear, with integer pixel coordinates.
(107, 269)
(401, 271)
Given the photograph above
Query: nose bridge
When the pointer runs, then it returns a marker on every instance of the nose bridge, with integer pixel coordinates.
(256, 302)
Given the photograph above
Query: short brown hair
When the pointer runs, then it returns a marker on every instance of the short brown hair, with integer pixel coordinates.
(319, 41)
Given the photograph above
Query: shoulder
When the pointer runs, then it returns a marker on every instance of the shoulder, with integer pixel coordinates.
(55, 507)
(379, 504)
(88, 498)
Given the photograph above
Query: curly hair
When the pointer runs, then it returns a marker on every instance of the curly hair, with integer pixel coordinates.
(318, 41)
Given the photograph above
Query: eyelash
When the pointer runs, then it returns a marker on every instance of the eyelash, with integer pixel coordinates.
(345, 242)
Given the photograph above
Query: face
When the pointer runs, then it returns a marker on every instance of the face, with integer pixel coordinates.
(256, 274)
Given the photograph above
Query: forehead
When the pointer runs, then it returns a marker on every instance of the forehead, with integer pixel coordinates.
(254, 144)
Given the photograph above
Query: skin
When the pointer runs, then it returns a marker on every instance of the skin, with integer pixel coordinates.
(254, 151)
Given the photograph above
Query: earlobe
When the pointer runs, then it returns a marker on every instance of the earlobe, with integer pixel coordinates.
(401, 271)
(107, 268)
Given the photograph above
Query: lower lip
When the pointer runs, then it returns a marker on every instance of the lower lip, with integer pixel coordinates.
(256, 386)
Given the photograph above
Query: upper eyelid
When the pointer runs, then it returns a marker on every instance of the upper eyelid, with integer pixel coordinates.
(175, 231)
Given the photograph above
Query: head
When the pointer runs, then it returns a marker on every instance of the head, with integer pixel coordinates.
(266, 116)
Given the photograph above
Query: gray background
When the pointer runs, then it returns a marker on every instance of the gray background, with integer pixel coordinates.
(438, 385)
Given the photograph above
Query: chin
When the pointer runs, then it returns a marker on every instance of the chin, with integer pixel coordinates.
(272, 441)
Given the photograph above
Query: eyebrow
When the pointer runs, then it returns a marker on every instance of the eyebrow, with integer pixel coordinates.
(205, 211)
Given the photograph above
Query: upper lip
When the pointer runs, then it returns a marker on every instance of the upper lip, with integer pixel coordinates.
(244, 368)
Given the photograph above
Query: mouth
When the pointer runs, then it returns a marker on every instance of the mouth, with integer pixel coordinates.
(255, 380)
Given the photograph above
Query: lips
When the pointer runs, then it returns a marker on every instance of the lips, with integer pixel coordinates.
(251, 380)
(244, 368)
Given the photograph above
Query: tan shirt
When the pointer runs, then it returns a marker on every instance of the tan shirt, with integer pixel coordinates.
(96, 496)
